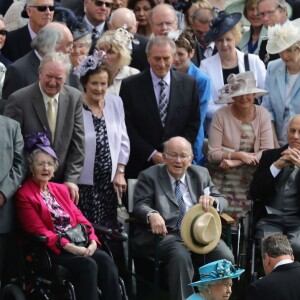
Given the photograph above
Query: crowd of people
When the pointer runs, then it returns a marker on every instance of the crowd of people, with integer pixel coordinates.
(199, 107)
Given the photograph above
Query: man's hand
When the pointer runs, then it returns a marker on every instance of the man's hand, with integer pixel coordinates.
(157, 224)
(157, 158)
(2, 199)
(206, 201)
(288, 158)
(73, 190)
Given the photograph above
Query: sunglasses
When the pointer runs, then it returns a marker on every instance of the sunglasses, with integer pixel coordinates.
(101, 3)
(43, 8)
(3, 32)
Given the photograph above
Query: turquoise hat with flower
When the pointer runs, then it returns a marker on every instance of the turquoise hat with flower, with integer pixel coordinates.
(217, 270)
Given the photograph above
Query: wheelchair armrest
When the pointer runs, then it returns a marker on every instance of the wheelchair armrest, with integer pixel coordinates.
(226, 219)
(117, 235)
(133, 220)
(102, 230)
(42, 239)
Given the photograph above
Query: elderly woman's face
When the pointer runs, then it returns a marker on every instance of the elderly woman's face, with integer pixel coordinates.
(244, 101)
(226, 43)
(291, 57)
(112, 56)
(96, 86)
(3, 33)
(43, 167)
(221, 290)
(80, 48)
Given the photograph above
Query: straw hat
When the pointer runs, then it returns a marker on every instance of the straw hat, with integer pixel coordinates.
(281, 37)
(217, 270)
(201, 230)
(239, 84)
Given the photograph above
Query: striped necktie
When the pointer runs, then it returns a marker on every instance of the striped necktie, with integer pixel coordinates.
(163, 102)
(181, 204)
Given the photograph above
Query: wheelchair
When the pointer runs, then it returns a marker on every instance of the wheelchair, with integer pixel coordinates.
(41, 279)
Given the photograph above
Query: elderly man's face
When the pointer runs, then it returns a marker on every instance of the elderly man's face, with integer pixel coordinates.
(38, 18)
(163, 21)
(97, 11)
(199, 30)
(270, 13)
(52, 77)
(178, 157)
(293, 133)
(3, 33)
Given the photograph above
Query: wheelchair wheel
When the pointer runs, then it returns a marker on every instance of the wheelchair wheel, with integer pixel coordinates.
(12, 292)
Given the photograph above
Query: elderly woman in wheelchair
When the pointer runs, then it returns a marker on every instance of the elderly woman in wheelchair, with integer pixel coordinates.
(45, 208)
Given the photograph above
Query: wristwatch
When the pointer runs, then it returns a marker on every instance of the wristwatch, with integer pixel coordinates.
(121, 170)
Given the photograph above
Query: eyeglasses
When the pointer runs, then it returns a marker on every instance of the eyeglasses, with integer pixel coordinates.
(162, 24)
(181, 157)
(42, 164)
(3, 32)
(268, 13)
(43, 8)
(100, 3)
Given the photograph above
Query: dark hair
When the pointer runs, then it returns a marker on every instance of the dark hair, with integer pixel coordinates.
(131, 3)
(102, 68)
(186, 41)
(276, 245)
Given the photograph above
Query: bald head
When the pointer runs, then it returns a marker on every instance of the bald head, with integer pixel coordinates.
(123, 16)
(293, 132)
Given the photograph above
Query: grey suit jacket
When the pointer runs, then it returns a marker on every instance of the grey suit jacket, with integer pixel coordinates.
(27, 107)
(154, 192)
(12, 168)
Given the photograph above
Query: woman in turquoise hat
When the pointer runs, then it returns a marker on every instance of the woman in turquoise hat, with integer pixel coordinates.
(215, 280)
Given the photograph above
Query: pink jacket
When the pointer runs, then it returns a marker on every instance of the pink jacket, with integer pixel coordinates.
(225, 132)
(35, 217)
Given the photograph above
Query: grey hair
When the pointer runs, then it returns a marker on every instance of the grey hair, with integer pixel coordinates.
(280, 3)
(47, 40)
(57, 57)
(1, 17)
(203, 15)
(276, 245)
(160, 41)
(86, 39)
(32, 155)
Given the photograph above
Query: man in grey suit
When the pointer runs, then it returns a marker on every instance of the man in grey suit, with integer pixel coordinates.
(12, 172)
(156, 203)
(30, 106)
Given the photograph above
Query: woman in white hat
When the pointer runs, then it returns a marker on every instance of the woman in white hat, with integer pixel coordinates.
(283, 80)
(238, 134)
(215, 280)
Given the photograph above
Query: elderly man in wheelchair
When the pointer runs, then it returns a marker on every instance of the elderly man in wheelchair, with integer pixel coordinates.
(45, 208)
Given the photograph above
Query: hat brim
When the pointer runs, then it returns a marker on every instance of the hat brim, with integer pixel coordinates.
(186, 227)
(228, 99)
(235, 275)
(223, 27)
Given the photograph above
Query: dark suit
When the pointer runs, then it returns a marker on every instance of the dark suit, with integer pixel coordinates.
(144, 126)
(24, 72)
(138, 54)
(12, 172)
(4, 60)
(279, 210)
(17, 43)
(281, 284)
(154, 192)
(198, 55)
(264, 56)
(27, 107)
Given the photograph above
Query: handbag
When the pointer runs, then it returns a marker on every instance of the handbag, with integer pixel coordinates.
(77, 235)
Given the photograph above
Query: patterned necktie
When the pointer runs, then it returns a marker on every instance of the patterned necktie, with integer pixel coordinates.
(51, 116)
(163, 102)
(181, 204)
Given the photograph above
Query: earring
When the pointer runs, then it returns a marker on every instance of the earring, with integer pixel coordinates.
(209, 292)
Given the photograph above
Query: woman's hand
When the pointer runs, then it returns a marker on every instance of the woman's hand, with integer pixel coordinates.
(119, 183)
(227, 163)
(248, 158)
(91, 248)
(76, 250)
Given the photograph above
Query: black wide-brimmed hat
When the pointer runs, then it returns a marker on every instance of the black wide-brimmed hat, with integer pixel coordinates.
(221, 24)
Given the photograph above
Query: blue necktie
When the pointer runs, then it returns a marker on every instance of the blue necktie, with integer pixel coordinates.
(181, 204)
(163, 102)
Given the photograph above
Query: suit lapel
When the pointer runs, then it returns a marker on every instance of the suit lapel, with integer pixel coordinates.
(63, 103)
(165, 184)
(192, 185)
(280, 79)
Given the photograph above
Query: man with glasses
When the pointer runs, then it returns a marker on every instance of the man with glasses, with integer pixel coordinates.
(97, 13)
(156, 202)
(40, 13)
(271, 12)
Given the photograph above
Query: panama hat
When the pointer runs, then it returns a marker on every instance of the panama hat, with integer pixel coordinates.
(201, 230)
(221, 24)
(217, 270)
(239, 84)
(283, 36)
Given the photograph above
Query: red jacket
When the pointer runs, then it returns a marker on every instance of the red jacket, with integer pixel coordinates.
(35, 217)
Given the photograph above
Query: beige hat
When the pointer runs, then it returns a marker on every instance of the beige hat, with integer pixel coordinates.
(282, 37)
(239, 84)
(201, 230)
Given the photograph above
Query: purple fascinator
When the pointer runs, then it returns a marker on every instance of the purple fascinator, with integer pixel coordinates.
(39, 140)
(90, 62)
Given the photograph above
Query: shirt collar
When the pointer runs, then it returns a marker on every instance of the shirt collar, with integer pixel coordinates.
(156, 80)
(46, 97)
(31, 32)
(173, 180)
(283, 262)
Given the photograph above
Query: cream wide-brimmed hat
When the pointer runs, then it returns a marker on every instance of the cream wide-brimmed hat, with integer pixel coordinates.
(283, 36)
(201, 230)
(239, 84)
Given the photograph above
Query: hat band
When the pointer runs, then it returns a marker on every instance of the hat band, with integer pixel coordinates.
(192, 231)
